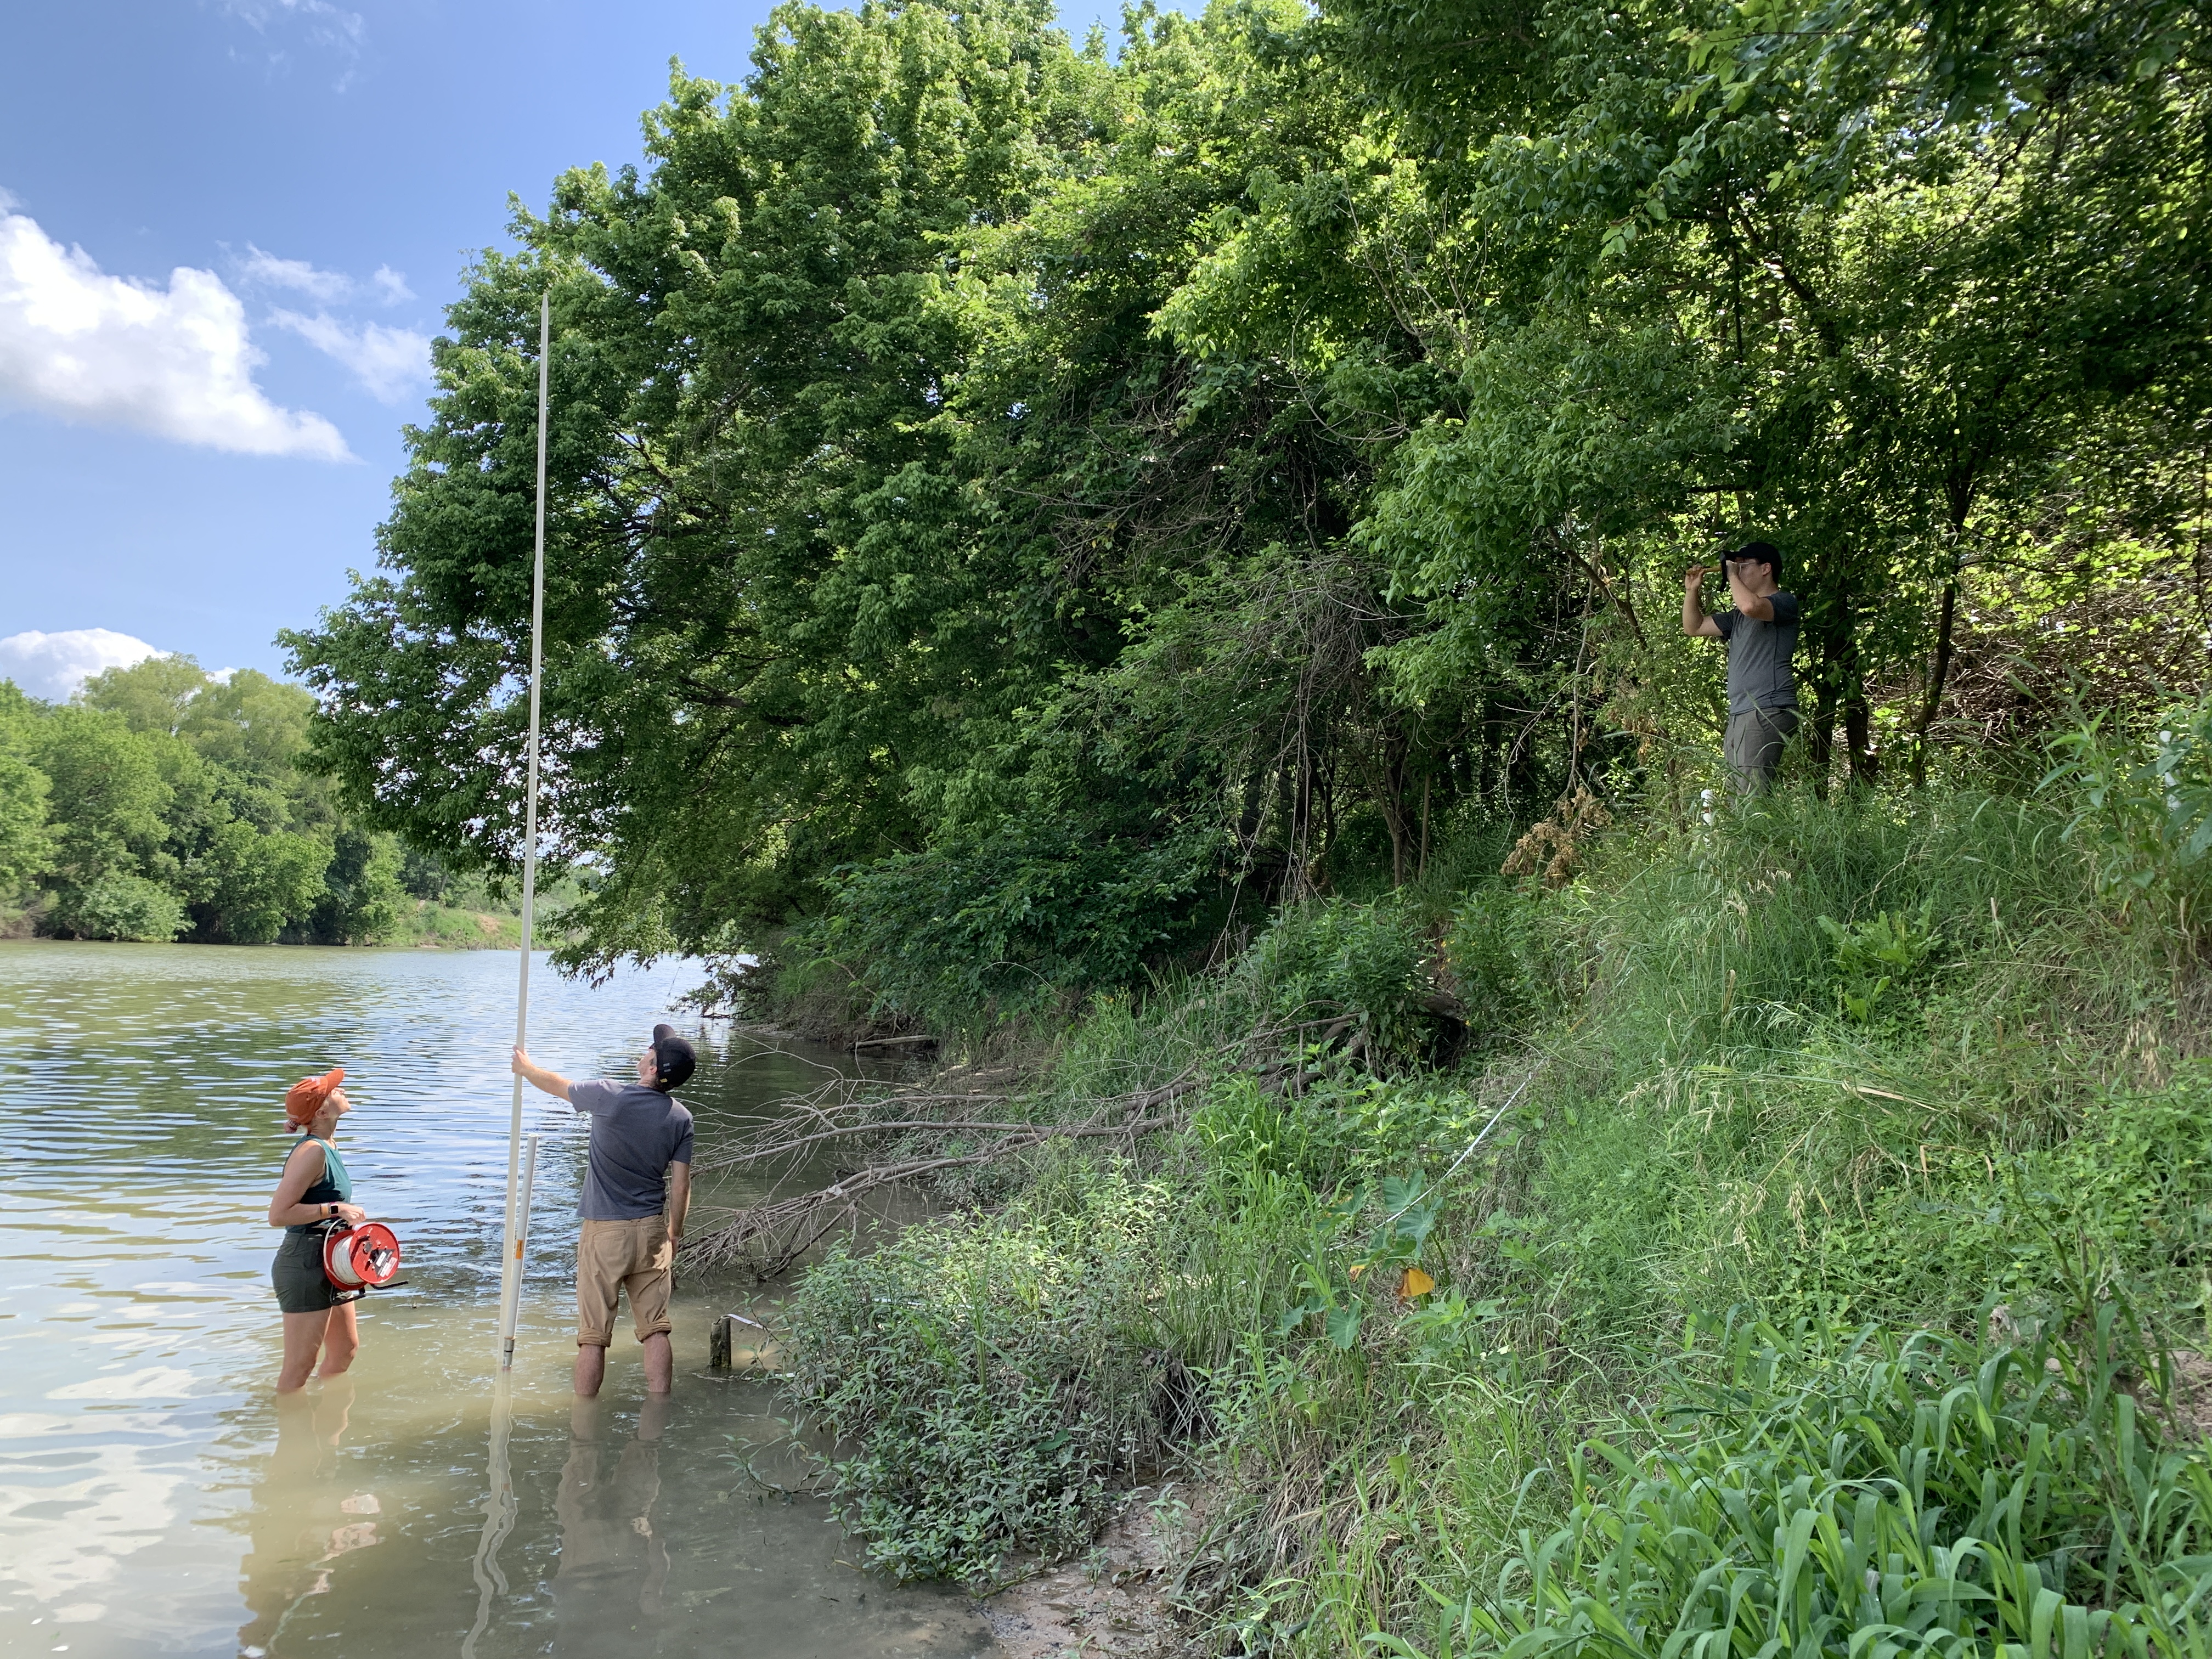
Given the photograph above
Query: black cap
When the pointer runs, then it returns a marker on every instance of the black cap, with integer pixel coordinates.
(676, 1056)
(1764, 553)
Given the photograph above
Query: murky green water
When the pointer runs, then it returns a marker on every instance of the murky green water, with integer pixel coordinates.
(153, 1497)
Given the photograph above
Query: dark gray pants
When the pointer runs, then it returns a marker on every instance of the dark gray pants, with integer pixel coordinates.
(1755, 740)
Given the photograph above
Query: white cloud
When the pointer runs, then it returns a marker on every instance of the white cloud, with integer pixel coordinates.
(265, 269)
(326, 25)
(178, 363)
(388, 361)
(53, 665)
(273, 272)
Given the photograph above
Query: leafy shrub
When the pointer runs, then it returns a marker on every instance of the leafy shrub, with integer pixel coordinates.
(1874, 1496)
(1494, 950)
(1364, 963)
(1876, 956)
(116, 907)
(1007, 921)
(991, 1373)
(2140, 804)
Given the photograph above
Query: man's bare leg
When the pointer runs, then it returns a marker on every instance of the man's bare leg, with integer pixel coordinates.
(659, 1363)
(591, 1369)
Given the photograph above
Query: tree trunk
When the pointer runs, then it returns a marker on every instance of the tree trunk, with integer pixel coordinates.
(1858, 719)
(1422, 868)
(1938, 671)
(1821, 730)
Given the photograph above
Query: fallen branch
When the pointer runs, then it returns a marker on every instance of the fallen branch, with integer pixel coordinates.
(770, 1237)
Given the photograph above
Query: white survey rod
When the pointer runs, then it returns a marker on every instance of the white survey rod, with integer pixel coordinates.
(511, 1309)
(510, 1283)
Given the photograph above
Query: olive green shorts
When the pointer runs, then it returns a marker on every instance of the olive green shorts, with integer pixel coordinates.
(302, 1287)
(1756, 739)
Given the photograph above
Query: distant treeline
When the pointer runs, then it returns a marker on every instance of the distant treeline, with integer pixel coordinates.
(162, 803)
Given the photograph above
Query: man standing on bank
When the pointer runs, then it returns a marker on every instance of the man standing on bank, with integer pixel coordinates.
(1761, 636)
(638, 1186)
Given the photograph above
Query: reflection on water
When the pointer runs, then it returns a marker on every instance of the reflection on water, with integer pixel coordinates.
(153, 1498)
(611, 1588)
(301, 1525)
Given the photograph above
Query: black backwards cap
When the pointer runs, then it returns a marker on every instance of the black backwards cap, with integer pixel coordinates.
(675, 1057)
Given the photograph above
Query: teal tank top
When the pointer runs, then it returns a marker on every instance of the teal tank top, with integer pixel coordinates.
(334, 1186)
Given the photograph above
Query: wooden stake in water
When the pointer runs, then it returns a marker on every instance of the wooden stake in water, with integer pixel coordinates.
(510, 1279)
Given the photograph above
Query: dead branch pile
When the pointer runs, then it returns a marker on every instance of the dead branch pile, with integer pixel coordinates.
(952, 1120)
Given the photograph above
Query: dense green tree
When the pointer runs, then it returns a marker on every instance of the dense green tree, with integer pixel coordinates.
(249, 883)
(26, 837)
(25, 844)
(361, 891)
(108, 796)
(163, 802)
(1906, 289)
(762, 609)
(119, 905)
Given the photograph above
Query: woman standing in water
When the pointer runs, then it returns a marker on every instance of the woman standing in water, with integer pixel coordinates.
(316, 1190)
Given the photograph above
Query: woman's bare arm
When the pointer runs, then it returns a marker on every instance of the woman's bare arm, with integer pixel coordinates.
(301, 1171)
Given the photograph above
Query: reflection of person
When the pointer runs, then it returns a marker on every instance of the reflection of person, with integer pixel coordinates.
(299, 1528)
(315, 1191)
(638, 1186)
(614, 1565)
(1760, 634)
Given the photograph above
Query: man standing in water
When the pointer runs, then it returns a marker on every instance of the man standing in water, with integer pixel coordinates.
(638, 1188)
(1761, 636)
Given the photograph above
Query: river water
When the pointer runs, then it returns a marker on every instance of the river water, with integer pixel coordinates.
(155, 1499)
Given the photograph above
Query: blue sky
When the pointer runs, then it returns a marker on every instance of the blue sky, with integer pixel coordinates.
(195, 462)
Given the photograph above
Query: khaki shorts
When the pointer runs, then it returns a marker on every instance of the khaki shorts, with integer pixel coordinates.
(631, 1255)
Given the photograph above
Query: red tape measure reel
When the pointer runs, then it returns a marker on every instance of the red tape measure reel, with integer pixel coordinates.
(363, 1258)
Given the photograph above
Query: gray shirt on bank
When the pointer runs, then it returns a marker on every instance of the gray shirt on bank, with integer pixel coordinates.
(636, 1133)
(1758, 656)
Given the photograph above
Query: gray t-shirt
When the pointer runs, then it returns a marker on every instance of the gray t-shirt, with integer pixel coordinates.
(636, 1133)
(1758, 656)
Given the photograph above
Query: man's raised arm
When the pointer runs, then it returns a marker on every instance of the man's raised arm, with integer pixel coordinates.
(1695, 622)
(1758, 607)
(551, 1082)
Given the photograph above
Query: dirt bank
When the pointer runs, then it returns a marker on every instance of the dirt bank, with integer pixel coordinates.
(1115, 1600)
